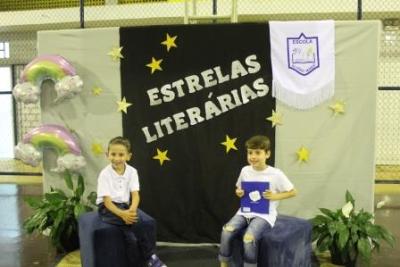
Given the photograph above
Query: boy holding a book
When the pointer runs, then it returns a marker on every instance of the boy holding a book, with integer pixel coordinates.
(260, 188)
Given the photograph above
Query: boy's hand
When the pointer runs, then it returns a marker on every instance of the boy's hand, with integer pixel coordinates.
(239, 192)
(271, 196)
(133, 210)
(129, 216)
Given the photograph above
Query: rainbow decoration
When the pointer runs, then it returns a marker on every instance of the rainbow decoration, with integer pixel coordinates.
(44, 67)
(54, 137)
(47, 67)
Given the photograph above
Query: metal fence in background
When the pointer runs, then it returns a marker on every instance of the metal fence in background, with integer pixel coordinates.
(73, 14)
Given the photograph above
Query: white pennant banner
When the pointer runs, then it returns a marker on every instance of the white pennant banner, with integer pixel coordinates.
(303, 62)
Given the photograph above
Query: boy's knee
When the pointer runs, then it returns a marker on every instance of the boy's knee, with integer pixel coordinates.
(247, 238)
(228, 228)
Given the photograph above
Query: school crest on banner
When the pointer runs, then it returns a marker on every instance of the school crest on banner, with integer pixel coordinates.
(198, 92)
(303, 54)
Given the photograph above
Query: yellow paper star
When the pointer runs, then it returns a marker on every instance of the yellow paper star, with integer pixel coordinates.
(115, 53)
(303, 154)
(276, 118)
(229, 143)
(97, 91)
(123, 105)
(337, 107)
(154, 65)
(170, 42)
(161, 156)
(97, 149)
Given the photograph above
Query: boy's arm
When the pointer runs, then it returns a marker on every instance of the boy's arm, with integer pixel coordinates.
(135, 200)
(111, 206)
(279, 196)
(126, 215)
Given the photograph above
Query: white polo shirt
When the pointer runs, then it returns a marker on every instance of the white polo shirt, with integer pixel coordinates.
(117, 187)
(278, 182)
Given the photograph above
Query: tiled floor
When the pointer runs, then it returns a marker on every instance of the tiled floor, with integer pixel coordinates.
(16, 248)
(20, 250)
(388, 216)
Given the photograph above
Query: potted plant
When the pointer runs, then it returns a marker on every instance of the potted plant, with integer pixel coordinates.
(57, 213)
(348, 234)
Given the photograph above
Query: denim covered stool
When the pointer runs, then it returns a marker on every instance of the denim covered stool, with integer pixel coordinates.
(103, 245)
(288, 244)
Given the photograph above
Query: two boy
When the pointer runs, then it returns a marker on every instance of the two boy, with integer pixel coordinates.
(118, 200)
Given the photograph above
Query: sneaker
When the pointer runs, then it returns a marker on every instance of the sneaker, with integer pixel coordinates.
(155, 262)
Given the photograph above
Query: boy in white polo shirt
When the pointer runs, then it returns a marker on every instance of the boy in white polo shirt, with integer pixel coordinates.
(253, 223)
(118, 199)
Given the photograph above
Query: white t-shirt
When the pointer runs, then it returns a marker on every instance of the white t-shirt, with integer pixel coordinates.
(117, 187)
(278, 182)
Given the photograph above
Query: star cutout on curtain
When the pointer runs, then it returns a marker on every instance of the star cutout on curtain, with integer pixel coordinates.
(123, 105)
(97, 91)
(115, 53)
(337, 107)
(161, 156)
(275, 118)
(170, 42)
(303, 154)
(97, 149)
(229, 143)
(155, 65)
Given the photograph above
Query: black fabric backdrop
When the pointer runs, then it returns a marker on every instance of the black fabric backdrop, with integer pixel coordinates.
(192, 195)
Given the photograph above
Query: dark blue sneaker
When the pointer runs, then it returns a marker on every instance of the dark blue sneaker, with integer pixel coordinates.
(155, 262)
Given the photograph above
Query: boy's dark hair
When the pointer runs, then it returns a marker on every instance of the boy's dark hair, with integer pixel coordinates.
(259, 142)
(119, 140)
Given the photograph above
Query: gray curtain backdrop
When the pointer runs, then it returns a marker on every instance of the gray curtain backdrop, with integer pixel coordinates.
(341, 147)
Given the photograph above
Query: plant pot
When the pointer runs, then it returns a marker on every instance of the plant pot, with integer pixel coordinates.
(344, 259)
(69, 243)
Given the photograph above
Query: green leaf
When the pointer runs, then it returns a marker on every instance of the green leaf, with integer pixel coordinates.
(364, 248)
(68, 180)
(78, 210)
(376, 245)
(317, 232)
(80, 188)
(354, 233)
(35, 222)
(343, 232)
(88, 208)
(350, 198)
(332, 228)
(92, 198)
(363, 217)
(58, 228)
(324, 243)
(329, 213)
(61, 193)
(373, 231)
(386, 235)
(54, 197)
(33, 202)
(50, 199)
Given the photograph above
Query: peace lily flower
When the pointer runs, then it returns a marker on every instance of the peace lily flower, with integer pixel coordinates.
(347, 208)
(47, 231)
